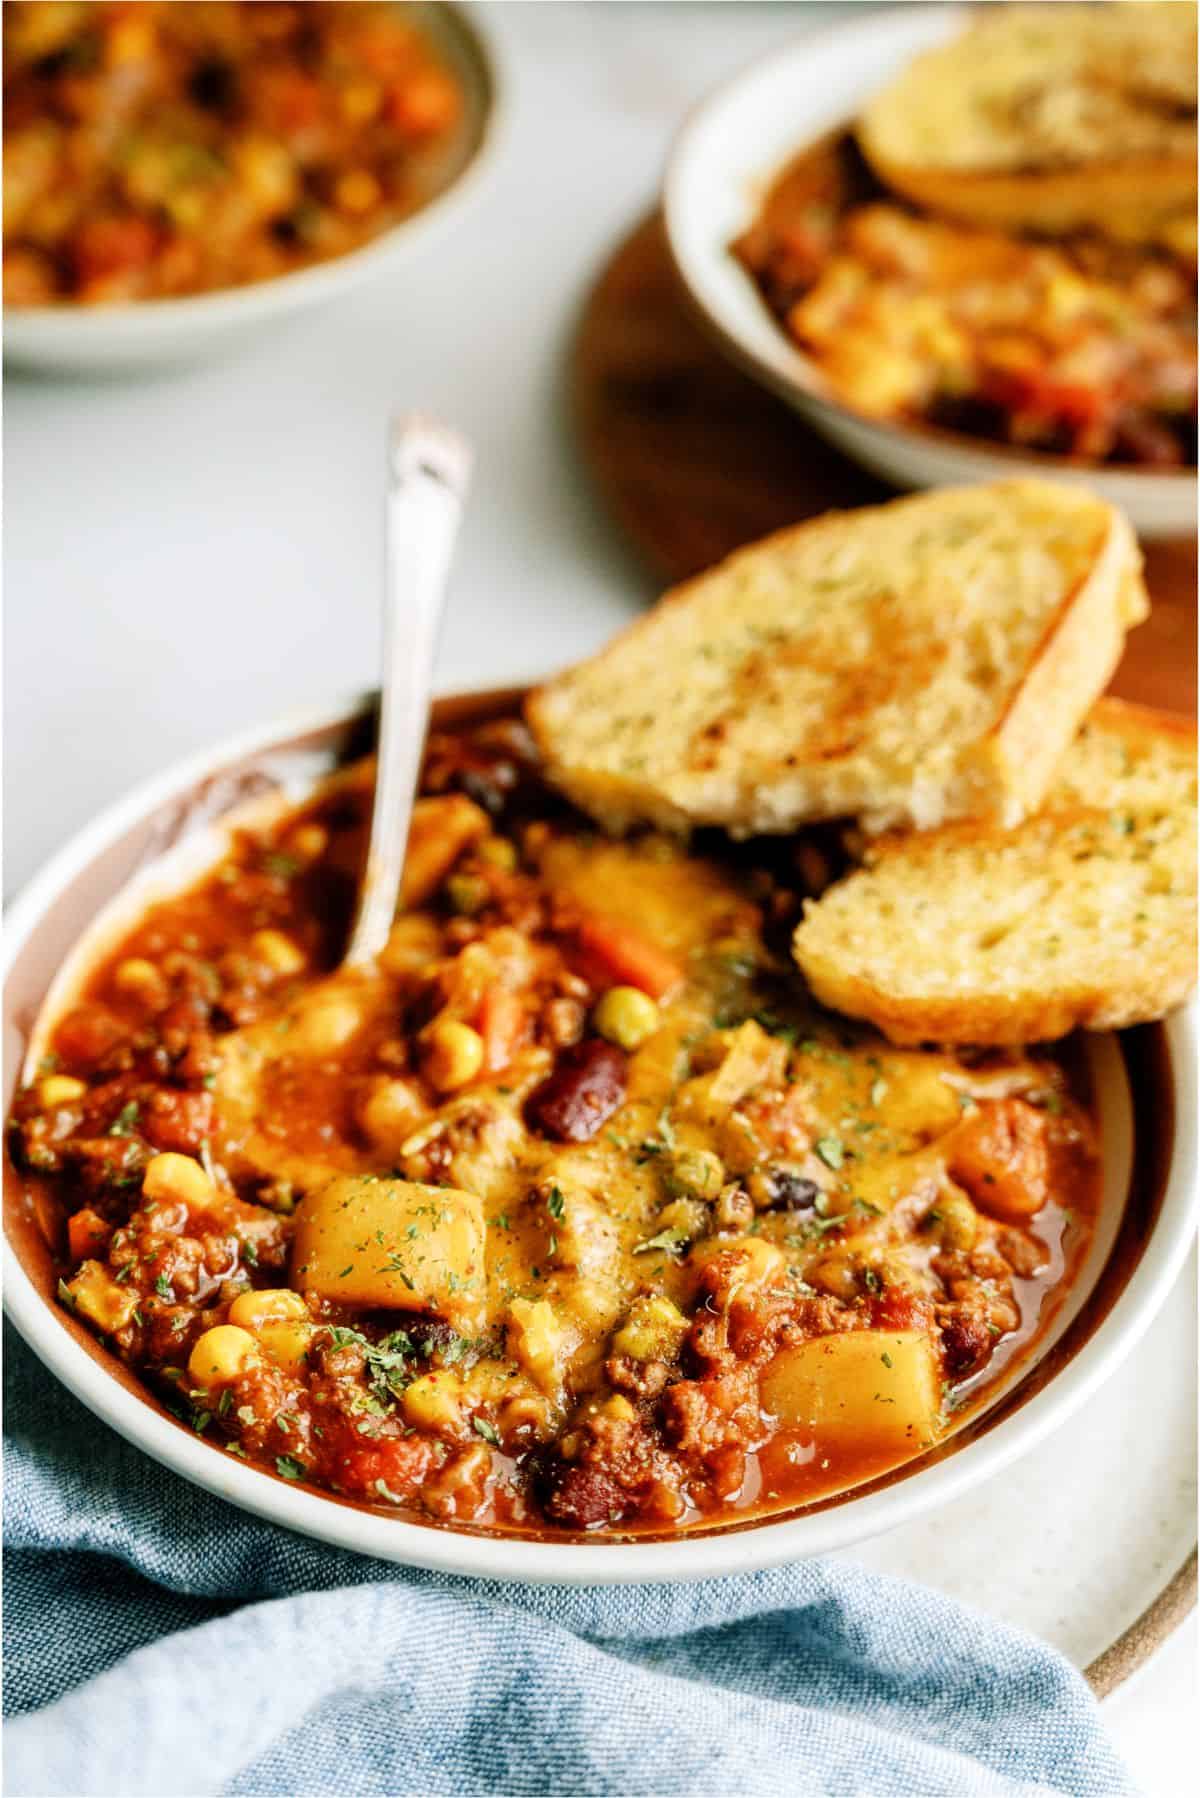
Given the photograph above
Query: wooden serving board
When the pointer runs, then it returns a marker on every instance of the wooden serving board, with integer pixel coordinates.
(694, 458)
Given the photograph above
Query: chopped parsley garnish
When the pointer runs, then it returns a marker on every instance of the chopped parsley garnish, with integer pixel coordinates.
(164, 1288)
(125, 1122)
(487, 1430)
(668, 1240)
(831, 1150)
(555, 1204)
(288, 1468)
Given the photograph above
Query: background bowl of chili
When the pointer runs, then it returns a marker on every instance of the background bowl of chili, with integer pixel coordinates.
(723, 163)
(172, 827)
(126, 336)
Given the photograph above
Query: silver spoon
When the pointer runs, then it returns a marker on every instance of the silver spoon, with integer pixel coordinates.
(429, 469)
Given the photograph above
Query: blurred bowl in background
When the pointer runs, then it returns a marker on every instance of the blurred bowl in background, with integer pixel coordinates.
(720, 167)
(146, 334)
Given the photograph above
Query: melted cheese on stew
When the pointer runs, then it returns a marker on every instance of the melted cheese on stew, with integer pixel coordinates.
(574, 1212)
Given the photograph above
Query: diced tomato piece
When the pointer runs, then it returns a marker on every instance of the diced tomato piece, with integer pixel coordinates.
(113, 245)
(401, 1464)
(87, 1035)
(623, 956)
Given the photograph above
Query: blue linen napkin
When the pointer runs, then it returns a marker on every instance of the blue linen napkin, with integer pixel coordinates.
(158, 1642)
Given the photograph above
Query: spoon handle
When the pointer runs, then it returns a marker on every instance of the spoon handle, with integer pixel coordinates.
(429, 468)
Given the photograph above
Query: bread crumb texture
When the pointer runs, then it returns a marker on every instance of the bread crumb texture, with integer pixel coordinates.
(909, 663)
(1082, 916)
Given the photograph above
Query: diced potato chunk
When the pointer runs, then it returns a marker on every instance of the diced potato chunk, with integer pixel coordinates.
(751, 1059)
(860, 1390)
(101, 1299)
(538, 1341)
(435, 1402)
(394, 1243)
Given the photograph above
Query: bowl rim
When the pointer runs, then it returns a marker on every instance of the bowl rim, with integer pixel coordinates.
(804, 385)
(765, 1544)
(140, 321)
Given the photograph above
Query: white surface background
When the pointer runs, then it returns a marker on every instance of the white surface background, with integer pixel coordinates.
(197, 552)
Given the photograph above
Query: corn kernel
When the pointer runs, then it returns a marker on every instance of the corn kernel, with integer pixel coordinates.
(177, 1180)
(60, 1089)
(625, 1016)
(361, 101)
(357, 191)
(308, 842)
(454, 1054)
(137, 978)
(498, 852)
(130, 39)
(277, 951)
(221, 1354)
(254, 1309)
(390, 1113)
(467, 893)
(835, 1275)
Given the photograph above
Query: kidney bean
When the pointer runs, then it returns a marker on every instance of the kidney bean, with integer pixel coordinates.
(791, 1192)
(586, 1087)
(966, 1341)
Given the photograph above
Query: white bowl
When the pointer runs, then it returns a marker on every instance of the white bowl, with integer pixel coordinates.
(150, 334)
(719, 169)
(163, 833)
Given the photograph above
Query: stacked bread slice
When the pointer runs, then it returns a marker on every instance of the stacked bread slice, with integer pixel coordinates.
(923, 668)
(1049, 119)
(1083, 915)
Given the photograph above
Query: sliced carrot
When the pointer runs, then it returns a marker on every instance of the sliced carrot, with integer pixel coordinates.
(87, 1235)
(501, 1025)
(626, 957)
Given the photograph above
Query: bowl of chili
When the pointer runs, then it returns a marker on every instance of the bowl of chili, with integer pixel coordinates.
(246, 816)
(864, 315)
(177, 177)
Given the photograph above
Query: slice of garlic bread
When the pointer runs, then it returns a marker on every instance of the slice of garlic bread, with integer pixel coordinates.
(1084, 915)
(1049, 118)
(914, 662)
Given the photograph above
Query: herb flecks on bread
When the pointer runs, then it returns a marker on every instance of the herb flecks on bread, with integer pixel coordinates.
(1084, 915)
(910, 663)
(1049, 118)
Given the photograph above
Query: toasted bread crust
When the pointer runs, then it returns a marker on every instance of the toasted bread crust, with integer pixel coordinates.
(1077, 658)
